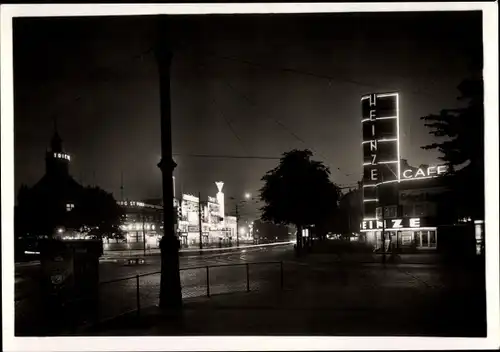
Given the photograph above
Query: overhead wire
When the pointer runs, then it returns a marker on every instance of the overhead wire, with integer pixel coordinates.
(228, 122)
(321, 76)
(227, 156)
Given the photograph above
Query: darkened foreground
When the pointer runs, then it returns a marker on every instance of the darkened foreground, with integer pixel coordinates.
(318, 294)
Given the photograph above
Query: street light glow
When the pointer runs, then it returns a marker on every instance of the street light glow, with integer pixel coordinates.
(247, 195)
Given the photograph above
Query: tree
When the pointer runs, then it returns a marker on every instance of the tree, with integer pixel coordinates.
(298, 192)
(96, 213)
(41, 210)
(463, 148)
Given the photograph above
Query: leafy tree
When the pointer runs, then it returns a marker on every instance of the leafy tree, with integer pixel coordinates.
(40, 210)
(97, 213)
(298, 192)
(463, 148)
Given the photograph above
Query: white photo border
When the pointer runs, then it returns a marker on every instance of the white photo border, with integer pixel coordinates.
(490, 42)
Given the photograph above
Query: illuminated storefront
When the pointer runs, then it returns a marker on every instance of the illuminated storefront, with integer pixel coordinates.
(142, 226)
(398, 208)
(216, 228)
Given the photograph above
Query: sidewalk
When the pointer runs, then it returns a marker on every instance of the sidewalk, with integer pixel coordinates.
(323, 300)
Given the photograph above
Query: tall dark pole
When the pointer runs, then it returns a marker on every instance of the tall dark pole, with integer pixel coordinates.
(199, 221)
(170, 285)
(143, 233)
(237, 232)
(121, 186)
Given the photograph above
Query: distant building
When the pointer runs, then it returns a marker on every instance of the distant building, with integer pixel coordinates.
(49, 202)
(350, 212)
(267, 232)
(142, 226)
(216, 229)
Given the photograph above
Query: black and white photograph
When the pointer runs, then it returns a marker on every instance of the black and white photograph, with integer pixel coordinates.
(263, 174)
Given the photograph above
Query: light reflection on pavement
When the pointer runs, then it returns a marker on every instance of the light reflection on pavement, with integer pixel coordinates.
(425, 288)
(119, 297)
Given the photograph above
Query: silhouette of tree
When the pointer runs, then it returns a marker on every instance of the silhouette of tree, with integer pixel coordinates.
(97, 213)
(38, 212)
(41, 210)
(298, 192)
(463, 148)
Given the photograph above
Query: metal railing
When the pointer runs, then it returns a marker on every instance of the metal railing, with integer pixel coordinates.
(126, 295)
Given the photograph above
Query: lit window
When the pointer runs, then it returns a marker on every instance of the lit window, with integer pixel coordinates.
(69, 206)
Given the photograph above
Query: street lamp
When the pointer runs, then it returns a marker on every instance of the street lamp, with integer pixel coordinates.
(247, 197)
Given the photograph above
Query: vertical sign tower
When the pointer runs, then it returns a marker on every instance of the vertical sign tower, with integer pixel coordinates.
(220, 198)
(381, 158)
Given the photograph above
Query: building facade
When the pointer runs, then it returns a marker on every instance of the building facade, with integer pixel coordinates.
(400, 202)
(217, 229)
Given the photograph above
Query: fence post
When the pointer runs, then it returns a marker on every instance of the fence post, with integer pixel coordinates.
(208, 282)
(138, 297)
(281, 274)
(248, 277)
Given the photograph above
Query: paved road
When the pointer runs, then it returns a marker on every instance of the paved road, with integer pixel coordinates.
(422, 288)
(119, 297)
(27, 276)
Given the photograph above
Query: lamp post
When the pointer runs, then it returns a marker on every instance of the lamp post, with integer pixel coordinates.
(170, 285)
(246, 198)
(143, 232)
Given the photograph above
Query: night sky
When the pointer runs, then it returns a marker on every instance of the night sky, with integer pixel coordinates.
(241, 85)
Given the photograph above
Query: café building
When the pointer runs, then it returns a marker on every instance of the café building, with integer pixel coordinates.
(399, 201)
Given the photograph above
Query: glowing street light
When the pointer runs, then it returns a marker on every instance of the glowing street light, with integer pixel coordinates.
(248, 195)
(60, 230)
(242, 230)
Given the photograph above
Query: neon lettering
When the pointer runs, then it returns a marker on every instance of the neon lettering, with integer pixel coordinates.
(373, 145)
(374, 157)
(431, 171)
(396, 223)
(415, 222)
(374, 175)
(441, 169)
(372, 115)
(420, 173)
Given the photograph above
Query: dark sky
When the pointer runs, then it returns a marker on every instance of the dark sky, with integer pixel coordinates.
(91, 74)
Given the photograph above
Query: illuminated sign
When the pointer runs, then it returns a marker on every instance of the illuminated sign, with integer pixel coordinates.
(190, 198)
(212, 199)
(391, 224)
(62, 156)
(431, 171)
(381, 159)
(131, 203)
